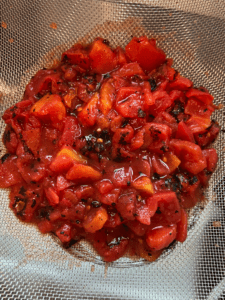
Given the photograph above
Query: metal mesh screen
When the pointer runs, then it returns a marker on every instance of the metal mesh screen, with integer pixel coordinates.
(35, 266)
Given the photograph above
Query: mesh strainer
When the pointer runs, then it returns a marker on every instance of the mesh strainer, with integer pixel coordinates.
(35, 266)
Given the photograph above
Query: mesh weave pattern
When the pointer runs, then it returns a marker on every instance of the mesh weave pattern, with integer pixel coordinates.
(35, 266)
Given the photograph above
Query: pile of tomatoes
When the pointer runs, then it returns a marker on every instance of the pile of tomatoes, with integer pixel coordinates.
(110, 146)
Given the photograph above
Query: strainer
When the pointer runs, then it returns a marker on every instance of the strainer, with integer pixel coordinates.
(33, 34)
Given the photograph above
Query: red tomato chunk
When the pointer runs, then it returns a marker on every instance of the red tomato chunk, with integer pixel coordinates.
(110, 146)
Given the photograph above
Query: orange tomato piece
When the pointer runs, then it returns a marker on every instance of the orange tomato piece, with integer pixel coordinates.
(68, 98)
(79, 171)
(49, 106)
(172, 161)
(95, 219)
(107, 96)
(144, 184)
(162, 237)
(65, 158)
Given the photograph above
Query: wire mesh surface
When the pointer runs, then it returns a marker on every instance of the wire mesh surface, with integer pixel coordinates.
(35, 266)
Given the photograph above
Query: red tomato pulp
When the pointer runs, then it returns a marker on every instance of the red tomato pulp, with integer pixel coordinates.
(110, 146)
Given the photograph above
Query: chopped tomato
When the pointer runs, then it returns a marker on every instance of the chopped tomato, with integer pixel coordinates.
(110, 247)
(120, 56)
(126, 205)
(138, 228)
(146, 210)
(77, 55)
(200, 95)
(184, 133)
(88, 115)
(145, 53)
(64, 233)
(160, 238)
(211, 159)
(190, 155)
(168, 210)
(50, 106)
(95, 219)
(143, 184)
(198, 124)
(128, 70)
(107, 96)
(52, 196)
(65, 159)
(198, 108)
(101, 57)
(180, 83)
(9, 174)
(71, 132)
(129, 102)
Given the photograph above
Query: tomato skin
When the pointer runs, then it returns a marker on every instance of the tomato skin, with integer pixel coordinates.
(208, 137)
(182, 227)
(44, 81)
(200, 95)
(129, 70)
(180, 83)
